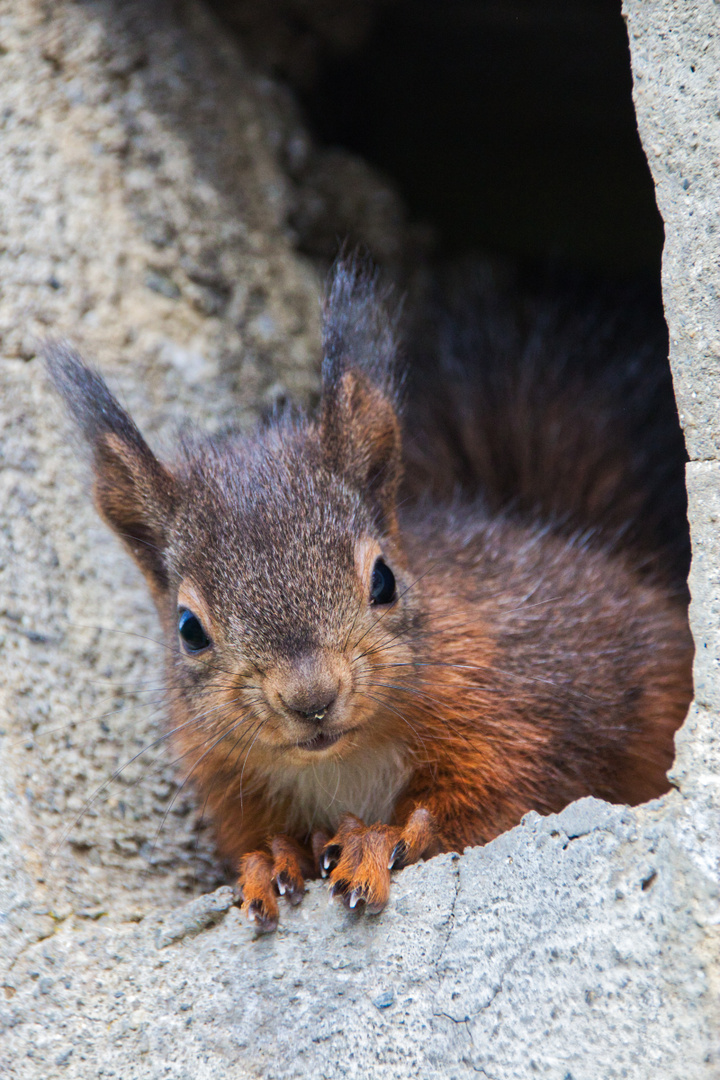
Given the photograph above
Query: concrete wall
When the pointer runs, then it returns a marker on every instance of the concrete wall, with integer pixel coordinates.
(146, 182)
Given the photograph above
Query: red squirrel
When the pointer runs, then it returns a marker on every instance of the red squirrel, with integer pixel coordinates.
(361, 675)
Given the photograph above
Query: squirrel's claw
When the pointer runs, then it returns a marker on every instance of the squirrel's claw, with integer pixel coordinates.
(262, 915)
(330, 859)
(318, 842)
(289, 886)
(358, 861)
(397, 856)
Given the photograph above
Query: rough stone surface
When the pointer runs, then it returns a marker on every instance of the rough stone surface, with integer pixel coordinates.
(554, 951)
(145, 207)
(676, 49)
(676, 58)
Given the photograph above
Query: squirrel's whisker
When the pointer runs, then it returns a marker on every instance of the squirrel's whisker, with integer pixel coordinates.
(241, 739)
(499, 671)
(406, 638)
(98, 718)
(184, 782)
(448, 719)
(241, 742)
(358, 609)
(242, 771)
(394, 710)
(111, 779)
(172, 648)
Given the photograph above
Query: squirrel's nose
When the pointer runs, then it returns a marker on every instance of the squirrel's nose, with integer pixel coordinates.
(309, 689)
(316, 711)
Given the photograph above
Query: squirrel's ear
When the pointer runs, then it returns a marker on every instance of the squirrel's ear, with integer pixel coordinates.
(134, 493)
(361, 438)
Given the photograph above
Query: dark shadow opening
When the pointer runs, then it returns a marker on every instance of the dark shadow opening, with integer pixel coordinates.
(508, 125)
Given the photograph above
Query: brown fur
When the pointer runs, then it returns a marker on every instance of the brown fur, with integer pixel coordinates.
(522, 664)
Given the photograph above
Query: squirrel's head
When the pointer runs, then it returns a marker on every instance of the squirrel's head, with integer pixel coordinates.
(275, 560)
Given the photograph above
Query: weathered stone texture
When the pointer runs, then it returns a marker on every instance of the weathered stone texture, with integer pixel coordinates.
(548, 953)
(676, 60)
(675, 50)
(145, 194)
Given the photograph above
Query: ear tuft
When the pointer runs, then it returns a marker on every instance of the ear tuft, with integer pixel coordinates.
(360, 327)
(134, 492)
(360, 426)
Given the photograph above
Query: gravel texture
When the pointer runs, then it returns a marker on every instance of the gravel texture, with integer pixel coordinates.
(147, 197)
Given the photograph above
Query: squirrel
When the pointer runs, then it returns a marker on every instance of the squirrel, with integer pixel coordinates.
(364, 674)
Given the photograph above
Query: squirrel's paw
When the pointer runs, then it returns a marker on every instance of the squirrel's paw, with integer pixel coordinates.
(359, 858)
(264, 877)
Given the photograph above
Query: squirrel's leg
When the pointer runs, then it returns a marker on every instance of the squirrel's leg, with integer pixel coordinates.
(359, 858)
(263, 876)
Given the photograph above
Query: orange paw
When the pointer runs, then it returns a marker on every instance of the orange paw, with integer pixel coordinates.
(263, 877)
(359, 858)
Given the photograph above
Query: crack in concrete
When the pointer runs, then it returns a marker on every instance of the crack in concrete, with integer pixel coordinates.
(36, 941)
(482, 1071)
(450, 921)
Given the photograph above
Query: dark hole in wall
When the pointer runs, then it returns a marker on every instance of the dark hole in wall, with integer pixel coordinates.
(507, 124)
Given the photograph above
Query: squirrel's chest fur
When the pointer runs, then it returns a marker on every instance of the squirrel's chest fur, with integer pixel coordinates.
(367, 784)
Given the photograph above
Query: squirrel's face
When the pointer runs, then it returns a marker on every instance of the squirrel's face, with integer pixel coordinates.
(289, 610)
(275, 562)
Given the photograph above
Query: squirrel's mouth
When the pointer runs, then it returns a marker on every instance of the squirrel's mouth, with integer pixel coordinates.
(322, 741)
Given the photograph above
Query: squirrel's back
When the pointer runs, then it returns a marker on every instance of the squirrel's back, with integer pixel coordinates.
(551, 398)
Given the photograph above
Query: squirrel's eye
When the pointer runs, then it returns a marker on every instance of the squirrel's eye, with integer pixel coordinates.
(191, 631)
(382, 586)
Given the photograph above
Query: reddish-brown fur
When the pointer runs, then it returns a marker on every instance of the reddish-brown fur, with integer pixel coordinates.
(520, 664)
